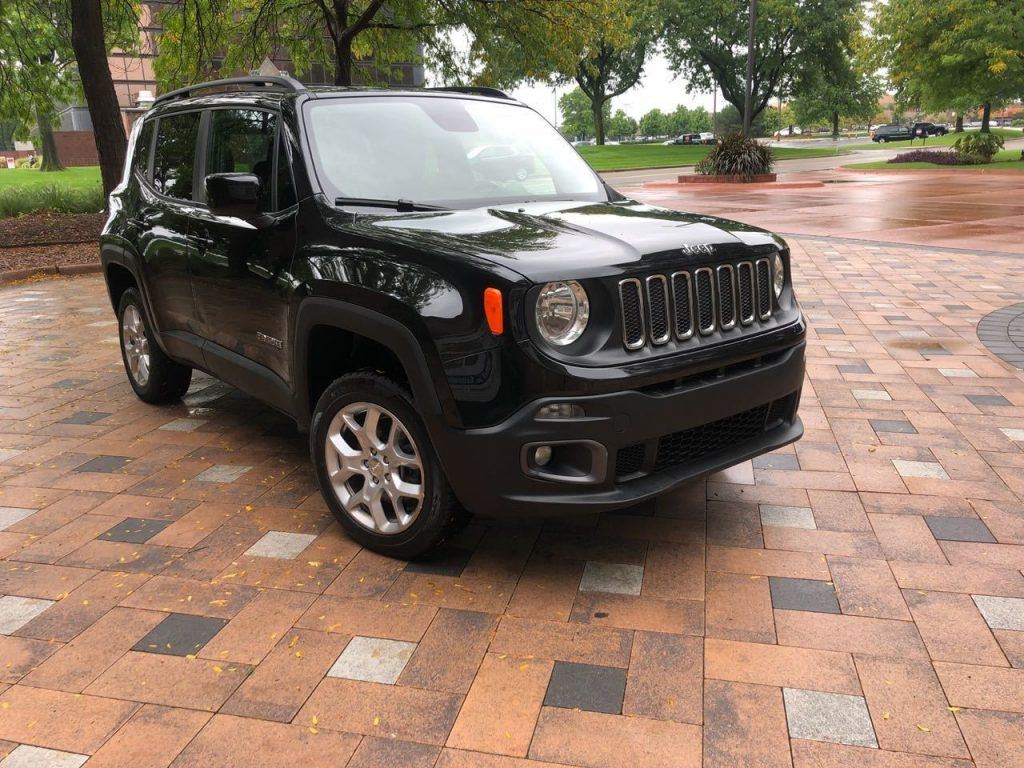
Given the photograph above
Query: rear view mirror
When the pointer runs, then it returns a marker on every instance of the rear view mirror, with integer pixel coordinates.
(233, 194)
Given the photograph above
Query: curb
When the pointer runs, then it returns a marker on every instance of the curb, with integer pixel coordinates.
(13, 275)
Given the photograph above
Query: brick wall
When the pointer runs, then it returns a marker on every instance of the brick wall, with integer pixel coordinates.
(76, 148)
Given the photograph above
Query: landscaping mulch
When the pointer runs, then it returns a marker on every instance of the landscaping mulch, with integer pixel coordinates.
(50, 228)
(23, 257)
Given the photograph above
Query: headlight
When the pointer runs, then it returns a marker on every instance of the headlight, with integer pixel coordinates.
(562, 312)
(778, 275)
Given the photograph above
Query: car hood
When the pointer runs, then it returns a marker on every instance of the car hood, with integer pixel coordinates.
(571, 240)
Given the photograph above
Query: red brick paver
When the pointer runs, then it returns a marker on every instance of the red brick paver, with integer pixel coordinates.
(700, 657)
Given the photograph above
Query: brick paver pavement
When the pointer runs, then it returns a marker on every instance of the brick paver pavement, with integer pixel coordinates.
(172, 591)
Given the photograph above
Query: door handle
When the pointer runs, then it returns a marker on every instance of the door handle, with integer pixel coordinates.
(145, 218)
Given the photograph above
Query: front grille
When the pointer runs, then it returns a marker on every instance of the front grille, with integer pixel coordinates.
(694, 443)
(629, 460)
(694, 302)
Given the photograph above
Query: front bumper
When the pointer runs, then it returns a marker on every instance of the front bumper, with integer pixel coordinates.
(641, 443)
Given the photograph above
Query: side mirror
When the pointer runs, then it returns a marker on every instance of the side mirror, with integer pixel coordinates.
(233, 194)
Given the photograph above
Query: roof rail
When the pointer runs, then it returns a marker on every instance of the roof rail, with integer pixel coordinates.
(476, 90)
(274, 82)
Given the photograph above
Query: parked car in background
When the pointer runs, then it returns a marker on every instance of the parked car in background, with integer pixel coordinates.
(583, 143)
(793, 130)
(685, 138)
(924, 130)
(891, 132)
(707, 138)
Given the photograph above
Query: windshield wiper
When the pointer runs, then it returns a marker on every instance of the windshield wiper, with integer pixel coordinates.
(402, 206)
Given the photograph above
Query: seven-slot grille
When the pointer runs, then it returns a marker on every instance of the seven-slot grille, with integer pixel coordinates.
(694, 302)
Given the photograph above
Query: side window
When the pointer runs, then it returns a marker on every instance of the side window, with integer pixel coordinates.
(174, 158)
(143, 143)
(242, 141)
(285, 186)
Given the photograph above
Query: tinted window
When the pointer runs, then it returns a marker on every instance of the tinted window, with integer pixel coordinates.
(242, 141)
(144, 142)
(175, 153)
(285, 188)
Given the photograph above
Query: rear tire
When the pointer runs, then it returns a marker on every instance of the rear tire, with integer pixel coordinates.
(153, 375)
(377, 469)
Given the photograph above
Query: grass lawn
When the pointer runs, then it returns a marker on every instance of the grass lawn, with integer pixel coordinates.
(935, 141)
(84, 178)
(630, 157)
(1007, 160)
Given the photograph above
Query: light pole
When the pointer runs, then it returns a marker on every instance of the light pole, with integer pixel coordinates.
(748, 96)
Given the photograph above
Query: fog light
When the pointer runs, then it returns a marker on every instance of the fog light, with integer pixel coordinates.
(542, 455)
(560, 411)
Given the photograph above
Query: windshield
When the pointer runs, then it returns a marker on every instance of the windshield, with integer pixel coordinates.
(450, 152)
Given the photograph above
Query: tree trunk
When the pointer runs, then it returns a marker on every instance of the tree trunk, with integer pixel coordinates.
(343, 62)
(748, 92)
(597, 109)
(959, 124)
(47, 146)
(835, 125)
(90, 48)
(985, 116)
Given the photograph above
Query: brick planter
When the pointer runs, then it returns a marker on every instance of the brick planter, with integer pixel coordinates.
(699, 178)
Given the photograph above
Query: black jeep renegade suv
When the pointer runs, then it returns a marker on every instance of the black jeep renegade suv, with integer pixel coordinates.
(453, 303)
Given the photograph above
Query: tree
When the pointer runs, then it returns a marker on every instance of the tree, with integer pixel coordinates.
(706, 42)
(577, 119)
(50, 47)
(954, 53)
(203, 38)
(840, 85)
(683, 120)
(620, 125)
(655, 123)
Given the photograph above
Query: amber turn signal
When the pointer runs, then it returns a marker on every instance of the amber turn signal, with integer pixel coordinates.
(494, 311)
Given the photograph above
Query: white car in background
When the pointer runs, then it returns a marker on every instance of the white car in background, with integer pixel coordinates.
(793, 130)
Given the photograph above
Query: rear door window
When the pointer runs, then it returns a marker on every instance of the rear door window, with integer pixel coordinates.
(175, 154)
(143, 143)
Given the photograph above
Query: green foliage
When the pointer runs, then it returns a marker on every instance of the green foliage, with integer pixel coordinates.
(736, 155)
(655, 123)
(983, 146)
(729, 121)
(706, 43)
(952, 54)
(620, 125)
(57, 198)
(683, 120)
(577, 119)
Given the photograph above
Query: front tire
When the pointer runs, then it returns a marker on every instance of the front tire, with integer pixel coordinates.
(153, 375)
(377, 469)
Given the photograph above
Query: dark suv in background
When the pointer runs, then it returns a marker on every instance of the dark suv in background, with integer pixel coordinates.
(457, 327)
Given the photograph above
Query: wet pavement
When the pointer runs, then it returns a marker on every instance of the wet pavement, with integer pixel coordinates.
(173, 590)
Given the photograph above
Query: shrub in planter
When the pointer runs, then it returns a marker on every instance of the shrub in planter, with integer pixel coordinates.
(983, 146)
(936, 157)
(737, 156)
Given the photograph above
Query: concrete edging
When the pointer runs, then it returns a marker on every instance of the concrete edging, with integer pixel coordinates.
(14, 275)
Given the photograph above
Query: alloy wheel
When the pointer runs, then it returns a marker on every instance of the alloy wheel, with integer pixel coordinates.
(375, 468)
(136, 344)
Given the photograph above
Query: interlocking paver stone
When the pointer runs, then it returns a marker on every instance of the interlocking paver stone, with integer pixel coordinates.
(871, 394)
(929, 469)
(11, 515)
(107, 464)
(959, 529)
(587, 687)
(988, 400)
(1001, 612)
(448, 561)
(835, 717)
(612, 577)
(8, 453)
(787, 517)
(222, 473)
(373, 660)
(16, 612)
(803, 595)
(1016, 435)
(893, 425)
(85, 417)
(183, 425)
(281, 545)
(180, 634)
(135, 530)
(27, 756)
(776, 461)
